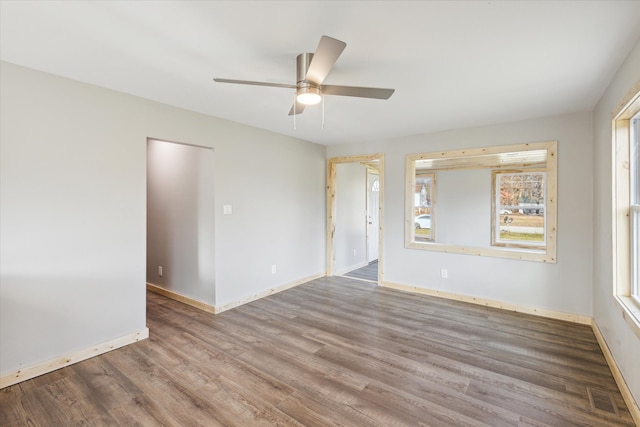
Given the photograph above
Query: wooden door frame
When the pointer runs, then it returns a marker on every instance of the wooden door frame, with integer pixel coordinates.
(331, 207)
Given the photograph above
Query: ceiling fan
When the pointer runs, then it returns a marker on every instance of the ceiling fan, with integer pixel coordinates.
(312, 69)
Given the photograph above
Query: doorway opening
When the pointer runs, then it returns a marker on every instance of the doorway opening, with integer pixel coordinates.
(373, 213)
(180, 222)
(355, 200)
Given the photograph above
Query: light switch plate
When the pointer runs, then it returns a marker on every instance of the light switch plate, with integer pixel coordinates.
(227, 209)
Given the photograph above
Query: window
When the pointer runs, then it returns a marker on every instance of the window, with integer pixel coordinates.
(626, 208)
(634, 196)
(519, 209)
(424, 198)
(491, 201)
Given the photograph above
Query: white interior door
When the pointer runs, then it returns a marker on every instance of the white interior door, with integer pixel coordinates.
(373, 219)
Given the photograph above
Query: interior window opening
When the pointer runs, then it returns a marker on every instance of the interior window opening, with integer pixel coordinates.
(491, 201)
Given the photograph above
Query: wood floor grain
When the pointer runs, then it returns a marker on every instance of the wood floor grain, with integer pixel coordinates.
(368, 272)
(334, 351)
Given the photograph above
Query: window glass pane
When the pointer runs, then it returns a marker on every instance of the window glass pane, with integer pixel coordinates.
(634, 156)
(423, 207)
(634, 185)
(635, 252)
(520, 208)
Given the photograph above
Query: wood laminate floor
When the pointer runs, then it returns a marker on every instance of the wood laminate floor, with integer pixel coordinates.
(368, 272)
(334, 351)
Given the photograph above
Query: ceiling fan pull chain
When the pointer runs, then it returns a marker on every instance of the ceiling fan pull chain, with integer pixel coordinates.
(322, 112)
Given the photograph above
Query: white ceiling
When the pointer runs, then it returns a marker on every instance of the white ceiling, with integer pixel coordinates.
(454, 64)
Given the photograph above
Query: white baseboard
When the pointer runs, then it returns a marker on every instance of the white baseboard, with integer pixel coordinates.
(220, 308)
(632, 405)
(183, 299)
(266, 293)
(558, 315)
(38, 369)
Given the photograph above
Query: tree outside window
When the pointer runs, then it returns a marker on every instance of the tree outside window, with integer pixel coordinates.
(519, 211)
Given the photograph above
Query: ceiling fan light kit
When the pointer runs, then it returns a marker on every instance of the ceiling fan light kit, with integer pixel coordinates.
(311, 70)
(308, 95)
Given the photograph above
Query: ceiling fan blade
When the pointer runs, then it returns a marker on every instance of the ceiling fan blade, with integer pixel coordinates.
(360, 92)
(248, 82)
(327, 53)
(298, 108)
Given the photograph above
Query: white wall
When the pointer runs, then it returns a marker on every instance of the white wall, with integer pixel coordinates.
(72, 203)
(181, 219)
(351, 225)
(623, 343)
(563, 287)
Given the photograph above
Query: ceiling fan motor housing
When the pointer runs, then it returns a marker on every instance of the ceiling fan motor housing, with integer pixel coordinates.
(302, 66)
(307, 92)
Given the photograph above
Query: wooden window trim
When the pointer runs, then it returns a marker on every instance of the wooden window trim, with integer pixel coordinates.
(621, 242)
(477, 159)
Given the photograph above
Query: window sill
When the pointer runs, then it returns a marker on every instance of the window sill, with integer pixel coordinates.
(539, 255)
(630, 312)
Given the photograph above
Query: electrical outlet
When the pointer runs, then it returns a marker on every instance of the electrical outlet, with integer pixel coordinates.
(444, 273)
(354, 252)
(273, 269)
(160, 271)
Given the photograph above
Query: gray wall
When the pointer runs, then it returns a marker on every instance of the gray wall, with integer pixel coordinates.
(623, 343)
(73, 208)
(181, 219)
(463, 207)
(351, 225)
(565, 286)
